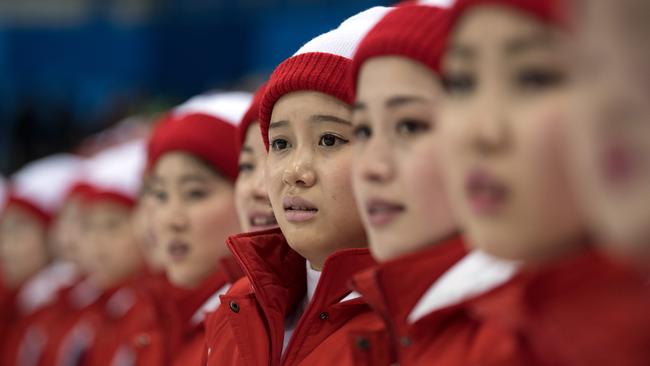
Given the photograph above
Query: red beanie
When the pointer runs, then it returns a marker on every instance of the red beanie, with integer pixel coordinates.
(322, 65)
(417, 32)
(548, 11)
(252, 115)
(206, 127)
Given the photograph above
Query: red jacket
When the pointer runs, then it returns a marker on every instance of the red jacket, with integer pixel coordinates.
(60, 320)
(249, 328)
(187, 333)
(581, 311)
(130, 323)
(393, 289)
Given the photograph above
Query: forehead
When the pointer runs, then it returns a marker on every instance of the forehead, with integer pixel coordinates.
(293, 109)
(108, 209)
(392, 75)
(174, 164)
(490, 26)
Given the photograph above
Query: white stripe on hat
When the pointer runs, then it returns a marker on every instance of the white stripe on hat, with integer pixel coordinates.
(437, 3)
(229, 107)
(45, 182)
(343, 41)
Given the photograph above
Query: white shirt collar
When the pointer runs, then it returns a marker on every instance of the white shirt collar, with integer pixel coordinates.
(210, 305)
(313, 276)
(43, 288)
(473, 275)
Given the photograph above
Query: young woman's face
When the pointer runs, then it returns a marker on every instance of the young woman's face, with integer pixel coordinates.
(308, 175)
(506, 99)
(195, 214)
(611, 136)
(396, 170)
(253, 204)
(109, 232)
(23, 247)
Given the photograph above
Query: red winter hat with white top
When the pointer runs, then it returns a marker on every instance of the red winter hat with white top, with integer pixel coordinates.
(205, 127)
(417, 31)
(41, 186)
(321, 65)
(115, 174)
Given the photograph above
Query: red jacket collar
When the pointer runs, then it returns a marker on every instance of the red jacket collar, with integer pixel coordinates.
(278, 275)
(394, 287)
(188, 301)
(277, 272)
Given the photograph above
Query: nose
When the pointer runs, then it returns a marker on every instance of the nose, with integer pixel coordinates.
(300, 172)
(174, 216)
(491, 130)
(375, 160)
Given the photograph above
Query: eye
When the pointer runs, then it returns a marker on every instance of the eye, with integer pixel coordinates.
(458, 84)
(409, 127)
(196, 194)
(246, 167)
(331, 140)
(536, 79)
(159, 196)
(362, 132)
(279, 144)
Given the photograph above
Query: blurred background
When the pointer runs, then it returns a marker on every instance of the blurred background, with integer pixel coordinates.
(71, 68)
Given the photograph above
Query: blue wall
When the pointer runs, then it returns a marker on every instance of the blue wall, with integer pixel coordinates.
(183, 48)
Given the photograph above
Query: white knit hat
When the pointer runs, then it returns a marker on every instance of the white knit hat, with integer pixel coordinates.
(321, 65)
(116, 173)
(228, 107)
(41, 186)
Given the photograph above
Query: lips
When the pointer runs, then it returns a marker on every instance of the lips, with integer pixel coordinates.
(178, 250)
(486, 194)
(382, 212)
(297, 209)
(261, 220)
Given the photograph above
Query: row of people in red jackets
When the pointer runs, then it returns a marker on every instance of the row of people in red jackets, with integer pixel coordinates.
(439, 183)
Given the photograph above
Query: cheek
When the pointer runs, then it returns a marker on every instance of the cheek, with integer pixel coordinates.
(242, 193)
(422, 172)
(543, 156)
(273, 175)
(336, 177)
(212, 220)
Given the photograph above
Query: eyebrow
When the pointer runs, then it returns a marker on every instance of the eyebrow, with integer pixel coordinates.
(358, 106)
(461, 51)
(400, 100)
(278, 124)
(329, 118)
(192, 178)
(523, 44)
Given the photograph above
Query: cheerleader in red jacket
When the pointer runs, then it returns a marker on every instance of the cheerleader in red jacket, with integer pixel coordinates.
(505, 106)
(193, 167)
(398, 179)
(31, 273)
(611, 146)
(294, 306)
